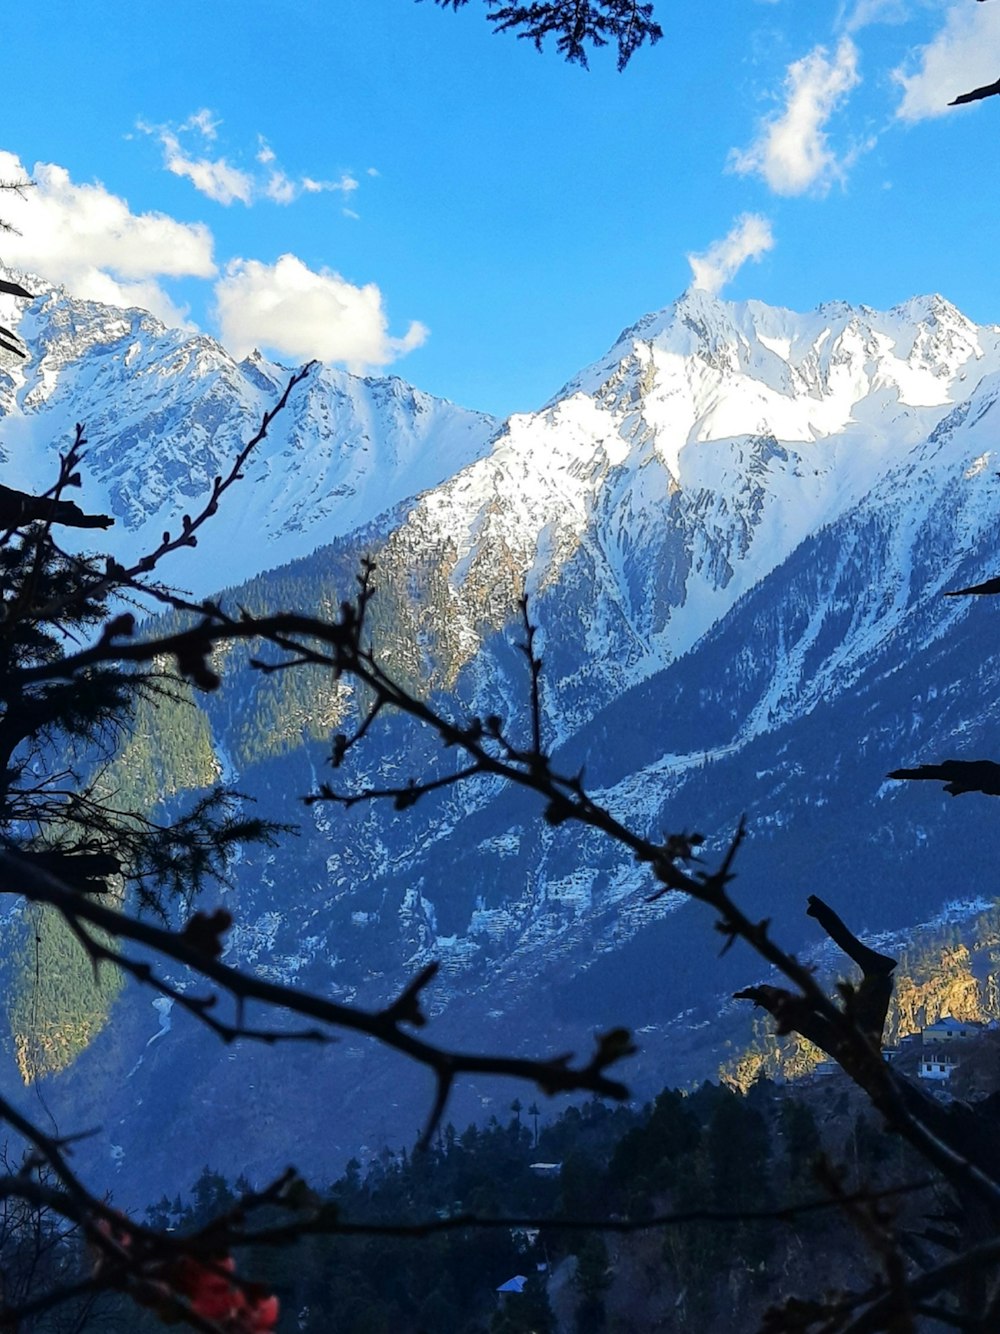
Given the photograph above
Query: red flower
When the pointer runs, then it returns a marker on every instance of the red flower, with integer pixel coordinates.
(209, 1292)
(213, 1296)
(261, 1316)
(205, 1285)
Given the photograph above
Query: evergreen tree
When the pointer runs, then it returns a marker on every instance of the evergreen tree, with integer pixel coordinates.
(576, 24)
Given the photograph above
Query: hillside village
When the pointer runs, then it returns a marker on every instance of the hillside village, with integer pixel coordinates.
(935, 1053)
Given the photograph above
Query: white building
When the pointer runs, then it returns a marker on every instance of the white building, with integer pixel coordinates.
(937, 1065)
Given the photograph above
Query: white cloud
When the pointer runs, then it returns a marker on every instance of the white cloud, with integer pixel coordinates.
(219, 180)
(204, 122)
(299, 313)
(281, 189)
(748, 238)
(346, 184)
(964, 55)
(88, 239)
(792, 151)
(864, 13)
(213, 177)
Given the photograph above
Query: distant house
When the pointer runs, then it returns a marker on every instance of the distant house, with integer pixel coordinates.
(937, 1065)
(545, 1169)
(824, 1069)
(515, 1284)
(948, 1029)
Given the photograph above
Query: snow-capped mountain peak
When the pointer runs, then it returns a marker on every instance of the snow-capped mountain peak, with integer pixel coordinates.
(672, 474)
(166, 411)
(691, 459)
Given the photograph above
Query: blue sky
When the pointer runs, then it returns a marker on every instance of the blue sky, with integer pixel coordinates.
(390, 186)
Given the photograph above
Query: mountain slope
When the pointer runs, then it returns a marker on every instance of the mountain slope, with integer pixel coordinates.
(735, 530)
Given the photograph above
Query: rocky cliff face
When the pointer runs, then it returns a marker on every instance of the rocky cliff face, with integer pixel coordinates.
(735, 530)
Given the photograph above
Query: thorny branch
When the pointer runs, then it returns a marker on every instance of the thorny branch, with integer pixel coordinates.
(319, 1217)
(849, 1031)
(341, 646)
(310, 1215)
(117, 577)
(555, 1075)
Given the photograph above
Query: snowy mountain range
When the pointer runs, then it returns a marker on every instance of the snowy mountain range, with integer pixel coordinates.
(734, 528)
(165, 412)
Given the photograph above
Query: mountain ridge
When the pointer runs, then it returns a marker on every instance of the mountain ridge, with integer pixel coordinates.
(732, 622)
(165, 411)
